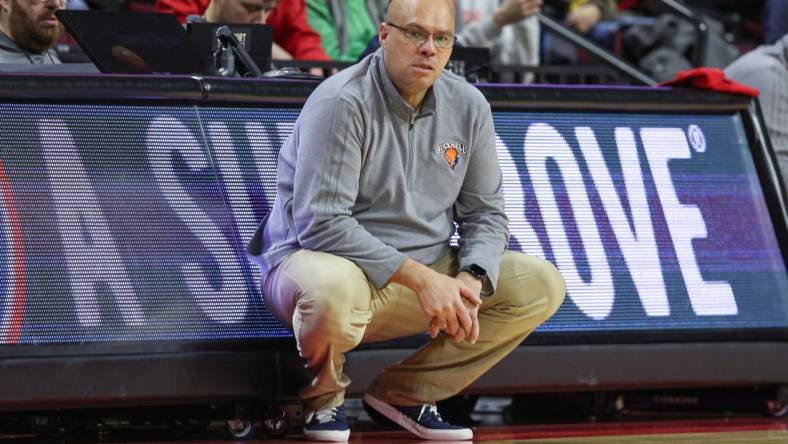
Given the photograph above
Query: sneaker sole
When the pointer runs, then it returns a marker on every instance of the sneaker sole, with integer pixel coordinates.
(327, 435)
(414, 427)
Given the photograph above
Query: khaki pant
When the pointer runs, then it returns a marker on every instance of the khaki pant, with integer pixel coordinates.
(332, 308)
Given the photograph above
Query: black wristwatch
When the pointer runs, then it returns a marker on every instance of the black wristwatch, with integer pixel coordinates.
(475, 271)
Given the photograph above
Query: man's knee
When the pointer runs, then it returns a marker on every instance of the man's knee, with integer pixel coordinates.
(532, 282)
(334, 293)
(329, 283)
(555, 286)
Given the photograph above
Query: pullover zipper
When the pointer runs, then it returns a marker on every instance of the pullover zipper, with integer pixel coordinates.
(411, 152)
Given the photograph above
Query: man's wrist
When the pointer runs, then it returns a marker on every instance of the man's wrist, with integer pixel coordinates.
(479, 274)
(476, 271)
(412, 274)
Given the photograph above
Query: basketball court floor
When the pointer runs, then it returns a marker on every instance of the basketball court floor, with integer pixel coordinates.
(713, 430)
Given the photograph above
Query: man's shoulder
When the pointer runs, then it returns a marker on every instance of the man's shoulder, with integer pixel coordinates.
(457, 90)
(12, 57)
(350, 84)
(763, 62)
(9, 52)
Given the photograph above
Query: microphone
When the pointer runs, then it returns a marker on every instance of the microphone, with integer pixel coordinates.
(226, 60)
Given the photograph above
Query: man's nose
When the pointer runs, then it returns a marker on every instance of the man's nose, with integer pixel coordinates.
(428, 47)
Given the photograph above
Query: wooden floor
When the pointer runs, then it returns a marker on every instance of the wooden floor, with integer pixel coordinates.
(739, 431)
(685, 431)
(691, 438)
(707, 431)
(496, 424)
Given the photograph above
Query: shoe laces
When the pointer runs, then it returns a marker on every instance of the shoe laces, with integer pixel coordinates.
(430, 413)
(328, 415)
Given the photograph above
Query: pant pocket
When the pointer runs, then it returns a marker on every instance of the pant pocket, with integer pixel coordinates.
(357, 323)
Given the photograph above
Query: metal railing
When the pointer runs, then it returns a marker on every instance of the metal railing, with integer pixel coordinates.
(610, 59)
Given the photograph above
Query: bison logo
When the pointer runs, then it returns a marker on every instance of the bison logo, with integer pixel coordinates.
(452, 156)
(451, 152)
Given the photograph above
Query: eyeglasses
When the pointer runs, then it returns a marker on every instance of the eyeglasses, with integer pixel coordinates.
(418, 37)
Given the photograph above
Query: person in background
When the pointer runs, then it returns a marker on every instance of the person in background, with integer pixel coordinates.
(239, 11)
(582, 15)
(345, 26)
(293, 38)
(766, 68)
(509, 28)
(29, 30)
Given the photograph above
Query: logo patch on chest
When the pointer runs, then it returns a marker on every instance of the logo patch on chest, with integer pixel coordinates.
(451, 152)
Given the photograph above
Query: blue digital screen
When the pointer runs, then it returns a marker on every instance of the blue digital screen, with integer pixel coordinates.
(655, 221)
(128, 223)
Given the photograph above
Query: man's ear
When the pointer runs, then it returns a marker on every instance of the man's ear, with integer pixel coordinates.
(383, 33)
(4, 5)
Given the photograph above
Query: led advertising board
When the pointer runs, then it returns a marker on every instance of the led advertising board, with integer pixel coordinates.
(128, 222)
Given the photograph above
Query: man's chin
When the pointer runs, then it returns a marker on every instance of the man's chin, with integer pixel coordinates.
(51, 33)
(44, 38)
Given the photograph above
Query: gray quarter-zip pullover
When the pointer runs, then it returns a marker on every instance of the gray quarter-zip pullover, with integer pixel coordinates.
(366, 177)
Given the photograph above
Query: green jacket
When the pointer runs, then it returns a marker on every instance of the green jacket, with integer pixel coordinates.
(345, 26)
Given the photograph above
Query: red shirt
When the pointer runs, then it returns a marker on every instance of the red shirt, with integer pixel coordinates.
(288, 19)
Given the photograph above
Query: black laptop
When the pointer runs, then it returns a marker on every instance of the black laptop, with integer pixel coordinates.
(133, 42)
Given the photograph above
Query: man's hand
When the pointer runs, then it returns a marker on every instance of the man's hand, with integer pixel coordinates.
(471, 282)
(473, 309)
(584, 17)
(512, 11)
(279, 53)
(441, 298)
(462, 335)
(471, 335)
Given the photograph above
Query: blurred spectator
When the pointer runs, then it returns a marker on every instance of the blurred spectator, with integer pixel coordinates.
(582, 15)
(239, 11)
(585, 14)
(766, 68)
(509, 28)
(28, 30)
(293, 38)
(346, 26)
(775, 20)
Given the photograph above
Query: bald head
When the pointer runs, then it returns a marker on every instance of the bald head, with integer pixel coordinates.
(452, 2)
(398, 9)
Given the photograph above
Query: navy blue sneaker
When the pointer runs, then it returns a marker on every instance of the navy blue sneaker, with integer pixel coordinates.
(327, 425)
(423, 421)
